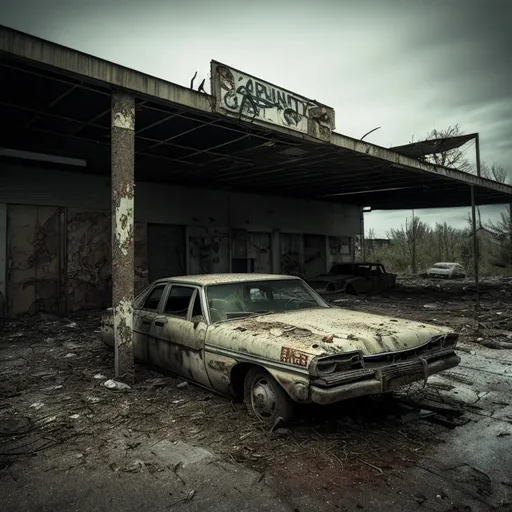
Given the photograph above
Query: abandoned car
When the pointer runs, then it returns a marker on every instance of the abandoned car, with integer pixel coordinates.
(274, 342)
(354, 278)
(447, 270)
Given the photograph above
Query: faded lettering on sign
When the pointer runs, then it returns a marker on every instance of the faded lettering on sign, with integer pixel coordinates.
(293, 356)
(252, 98)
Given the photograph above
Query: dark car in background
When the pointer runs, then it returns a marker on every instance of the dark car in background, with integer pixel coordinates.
(354, 278)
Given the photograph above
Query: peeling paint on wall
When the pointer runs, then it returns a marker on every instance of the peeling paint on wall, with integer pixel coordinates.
(259, 250)
(209, 249)
(124, 221)
(315, 255)
(340, 250)
(141, 257)
(89, 278)
(292, 254)
(33, 273)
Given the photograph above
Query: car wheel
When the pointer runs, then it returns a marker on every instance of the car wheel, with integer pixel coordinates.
(265, 399)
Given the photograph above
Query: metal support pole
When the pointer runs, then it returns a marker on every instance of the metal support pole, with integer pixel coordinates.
(473, 208)
(475, 245)
(414, 265)
(123, 164)
(363, 248)
(477, 149)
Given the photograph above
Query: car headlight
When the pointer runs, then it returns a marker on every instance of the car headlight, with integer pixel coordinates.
(324, 365)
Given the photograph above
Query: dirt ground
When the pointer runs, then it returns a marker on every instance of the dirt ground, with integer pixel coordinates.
(59, 423)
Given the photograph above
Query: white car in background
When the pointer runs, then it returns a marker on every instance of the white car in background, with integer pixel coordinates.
(447, 270)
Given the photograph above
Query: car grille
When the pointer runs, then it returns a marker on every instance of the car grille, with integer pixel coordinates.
(392, 375)
(338, 378)
(434, 345)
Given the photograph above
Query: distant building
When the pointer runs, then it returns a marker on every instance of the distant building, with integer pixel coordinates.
(375, 244)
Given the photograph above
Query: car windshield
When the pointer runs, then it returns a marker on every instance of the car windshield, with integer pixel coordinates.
(342, 269)
(443, 265)
(236, 300)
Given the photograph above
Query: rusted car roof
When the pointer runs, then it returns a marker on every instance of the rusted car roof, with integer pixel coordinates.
(206, 279)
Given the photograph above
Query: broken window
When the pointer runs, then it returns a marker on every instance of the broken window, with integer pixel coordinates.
(178, 301)
(154, 297)
(197, 309)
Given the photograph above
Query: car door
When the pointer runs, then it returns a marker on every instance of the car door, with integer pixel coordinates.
(364, 283)
(143, 318)
(178, 333)
(376, 278)
(385, 280)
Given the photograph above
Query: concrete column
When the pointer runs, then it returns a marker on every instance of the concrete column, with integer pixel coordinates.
(3, 259)
(276, 251)
(123, 163)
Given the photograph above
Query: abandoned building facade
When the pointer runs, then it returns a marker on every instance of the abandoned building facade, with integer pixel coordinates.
(57, 236)
(249, 178)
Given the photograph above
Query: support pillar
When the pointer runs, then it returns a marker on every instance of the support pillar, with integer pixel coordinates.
(123, 164)
(475, 245)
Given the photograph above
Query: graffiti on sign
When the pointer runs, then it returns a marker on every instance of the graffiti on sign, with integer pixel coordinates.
(249, 97)
(293, 356)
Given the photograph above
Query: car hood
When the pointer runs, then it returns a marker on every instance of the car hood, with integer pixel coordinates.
(311, 330)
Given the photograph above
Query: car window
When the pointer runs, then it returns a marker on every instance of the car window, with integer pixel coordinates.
(197, 309)
(153, 299)
(233, 300)
(363, 271)
(341, 269)
(178, 301)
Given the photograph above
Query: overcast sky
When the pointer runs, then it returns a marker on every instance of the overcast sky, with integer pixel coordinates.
(405, 65)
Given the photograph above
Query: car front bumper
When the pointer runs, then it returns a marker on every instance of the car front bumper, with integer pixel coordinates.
(387, 378)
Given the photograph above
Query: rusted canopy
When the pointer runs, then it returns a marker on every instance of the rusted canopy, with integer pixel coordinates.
(57, 101)
(431, 147)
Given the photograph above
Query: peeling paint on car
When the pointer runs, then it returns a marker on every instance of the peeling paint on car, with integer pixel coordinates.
(361, 353)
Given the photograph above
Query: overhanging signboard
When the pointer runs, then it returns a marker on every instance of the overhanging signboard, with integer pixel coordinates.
(251, 99)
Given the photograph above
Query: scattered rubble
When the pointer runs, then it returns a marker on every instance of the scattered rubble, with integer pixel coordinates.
(58, 405)
(114, 385)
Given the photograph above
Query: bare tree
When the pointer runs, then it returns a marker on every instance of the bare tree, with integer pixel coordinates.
(502, 230)
(408, 238)
(370, 247)
(494, 172)
(454, 158)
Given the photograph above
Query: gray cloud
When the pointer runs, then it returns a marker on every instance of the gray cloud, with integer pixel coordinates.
(405, 66)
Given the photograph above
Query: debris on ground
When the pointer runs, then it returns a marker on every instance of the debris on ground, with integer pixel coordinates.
(49, 403)
(115, 385)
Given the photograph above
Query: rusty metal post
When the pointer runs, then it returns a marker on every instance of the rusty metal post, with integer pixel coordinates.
(475, 245)
(123, 164)
(414, 264)
(477, 149)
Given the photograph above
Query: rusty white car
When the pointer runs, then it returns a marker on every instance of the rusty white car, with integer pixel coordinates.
(447, 270)
(272, 341)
